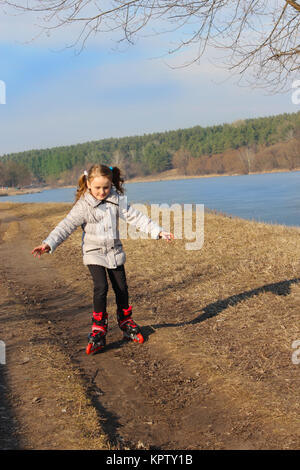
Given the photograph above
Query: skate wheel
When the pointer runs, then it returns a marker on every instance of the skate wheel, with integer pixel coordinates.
(91, 348)
(139, 338)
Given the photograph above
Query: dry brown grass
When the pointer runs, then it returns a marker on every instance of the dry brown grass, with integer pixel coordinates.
(228, 312)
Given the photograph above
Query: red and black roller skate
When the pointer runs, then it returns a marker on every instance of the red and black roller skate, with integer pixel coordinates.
(97, 339)
(130, 329)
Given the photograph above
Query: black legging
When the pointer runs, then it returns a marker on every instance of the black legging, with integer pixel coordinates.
(118, 280)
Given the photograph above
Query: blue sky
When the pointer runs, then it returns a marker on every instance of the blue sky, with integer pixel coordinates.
(55, 96)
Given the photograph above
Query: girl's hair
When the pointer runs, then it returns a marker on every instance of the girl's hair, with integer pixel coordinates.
(112, 173)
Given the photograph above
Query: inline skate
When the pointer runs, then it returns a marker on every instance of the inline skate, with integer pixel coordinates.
(130, 329)
(97, 339)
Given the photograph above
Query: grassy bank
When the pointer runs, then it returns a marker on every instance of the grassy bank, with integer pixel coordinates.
(227, 314)
(230, 310)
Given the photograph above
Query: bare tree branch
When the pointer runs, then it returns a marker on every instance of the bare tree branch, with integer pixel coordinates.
(260, 38)
(294, 4)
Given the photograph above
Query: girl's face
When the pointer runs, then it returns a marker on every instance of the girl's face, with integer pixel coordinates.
(99, 187)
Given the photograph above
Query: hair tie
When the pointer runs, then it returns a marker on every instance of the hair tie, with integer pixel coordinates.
(111, 168)
(86, 174)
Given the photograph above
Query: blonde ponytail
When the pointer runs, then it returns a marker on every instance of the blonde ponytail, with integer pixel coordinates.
(82, 187)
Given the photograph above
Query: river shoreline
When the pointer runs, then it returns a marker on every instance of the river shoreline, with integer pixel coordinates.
(172, 175)
(164, 176)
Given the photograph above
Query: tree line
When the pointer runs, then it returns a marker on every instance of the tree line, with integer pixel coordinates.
(241, 147)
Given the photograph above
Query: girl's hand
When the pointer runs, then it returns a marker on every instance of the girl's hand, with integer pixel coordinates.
(167, 236)
(40, 250)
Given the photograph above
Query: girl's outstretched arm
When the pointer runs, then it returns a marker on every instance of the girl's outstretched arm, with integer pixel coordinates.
(138, 219)
(143, 222)
(167, 236)
(40, 250)
(63, 230)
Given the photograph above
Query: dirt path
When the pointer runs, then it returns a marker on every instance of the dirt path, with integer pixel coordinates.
(143, 400)
(145, 396)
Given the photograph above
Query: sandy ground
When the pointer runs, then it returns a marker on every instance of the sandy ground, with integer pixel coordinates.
(215, 371)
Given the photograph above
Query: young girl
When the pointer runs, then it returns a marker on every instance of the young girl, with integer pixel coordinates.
(97, 207)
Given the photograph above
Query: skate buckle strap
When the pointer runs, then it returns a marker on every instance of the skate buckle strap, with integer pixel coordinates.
(127, 311)
(98, 328)
(99, 316)
(128, 321)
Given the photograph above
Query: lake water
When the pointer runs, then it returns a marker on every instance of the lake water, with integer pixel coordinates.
(271, 197)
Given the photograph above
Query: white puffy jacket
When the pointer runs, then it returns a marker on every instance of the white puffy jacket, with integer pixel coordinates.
(100, 221)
